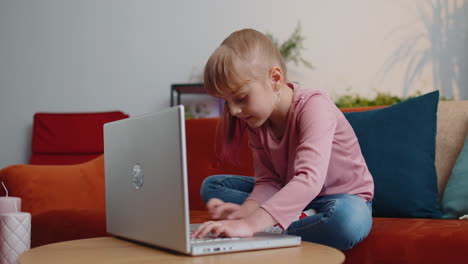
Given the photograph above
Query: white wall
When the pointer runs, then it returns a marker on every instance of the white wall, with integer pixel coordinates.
(99, 55)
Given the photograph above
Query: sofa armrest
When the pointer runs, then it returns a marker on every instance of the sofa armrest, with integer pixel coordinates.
(45, 188)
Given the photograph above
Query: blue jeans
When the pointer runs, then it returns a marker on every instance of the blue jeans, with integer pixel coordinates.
(341, 221)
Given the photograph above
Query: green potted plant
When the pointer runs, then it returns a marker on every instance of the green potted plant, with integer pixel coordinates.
(291, 49)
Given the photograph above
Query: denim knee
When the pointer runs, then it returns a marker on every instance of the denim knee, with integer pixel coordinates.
(352, 224)
(229, 188)
(210, 185)
(342, 222)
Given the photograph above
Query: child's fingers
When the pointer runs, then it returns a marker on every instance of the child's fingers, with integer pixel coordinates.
(225, 209)
(218, 230)
(205, 228)
(195, 232)
(213, 203)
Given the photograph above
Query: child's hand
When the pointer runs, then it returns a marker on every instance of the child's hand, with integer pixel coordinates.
(228, 228)
(221, 210)
(230, 211)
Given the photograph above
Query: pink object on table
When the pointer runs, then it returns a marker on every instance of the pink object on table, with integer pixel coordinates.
(15, 236)
(10, 204)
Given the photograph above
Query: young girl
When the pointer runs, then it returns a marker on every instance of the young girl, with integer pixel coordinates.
(306, 155)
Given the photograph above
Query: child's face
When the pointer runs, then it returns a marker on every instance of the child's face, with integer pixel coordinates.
(253, 102)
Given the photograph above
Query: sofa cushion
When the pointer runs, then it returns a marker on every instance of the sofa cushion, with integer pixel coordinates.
(44, 188)
(455, 199)
(399, 240)
(72, 137)
(398, 144)
(452, 128)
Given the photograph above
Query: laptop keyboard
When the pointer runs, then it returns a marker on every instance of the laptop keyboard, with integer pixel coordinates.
(210, 238)
(207, 239)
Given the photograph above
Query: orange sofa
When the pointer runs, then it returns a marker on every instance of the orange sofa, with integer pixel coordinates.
(67, 201)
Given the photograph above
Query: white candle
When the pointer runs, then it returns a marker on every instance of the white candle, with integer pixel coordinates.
(15, 236)
(10, 204)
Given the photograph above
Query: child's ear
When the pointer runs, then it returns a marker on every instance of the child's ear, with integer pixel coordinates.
(276, 77)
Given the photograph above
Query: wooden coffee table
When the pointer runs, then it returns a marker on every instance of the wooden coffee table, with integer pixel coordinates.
(112, 250)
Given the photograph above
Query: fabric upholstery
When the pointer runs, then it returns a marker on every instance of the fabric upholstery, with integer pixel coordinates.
(452, 126)
(71, 137)
(48, 188)
(61, 159)
(67, 224)
(398, 144)
(66, 202)
(409, 240)
(455, 199)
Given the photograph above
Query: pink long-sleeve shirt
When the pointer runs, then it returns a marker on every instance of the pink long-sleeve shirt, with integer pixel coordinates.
(318, 155)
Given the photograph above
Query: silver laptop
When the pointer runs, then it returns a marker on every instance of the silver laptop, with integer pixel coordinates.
(146, 188)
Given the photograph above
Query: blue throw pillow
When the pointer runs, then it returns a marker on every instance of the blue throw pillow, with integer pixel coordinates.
(455, 199)
(398, 144)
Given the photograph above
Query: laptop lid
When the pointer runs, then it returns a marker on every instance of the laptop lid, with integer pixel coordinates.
(146, 179)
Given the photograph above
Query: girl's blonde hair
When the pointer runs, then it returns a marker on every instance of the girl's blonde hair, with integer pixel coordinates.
(243, 56)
